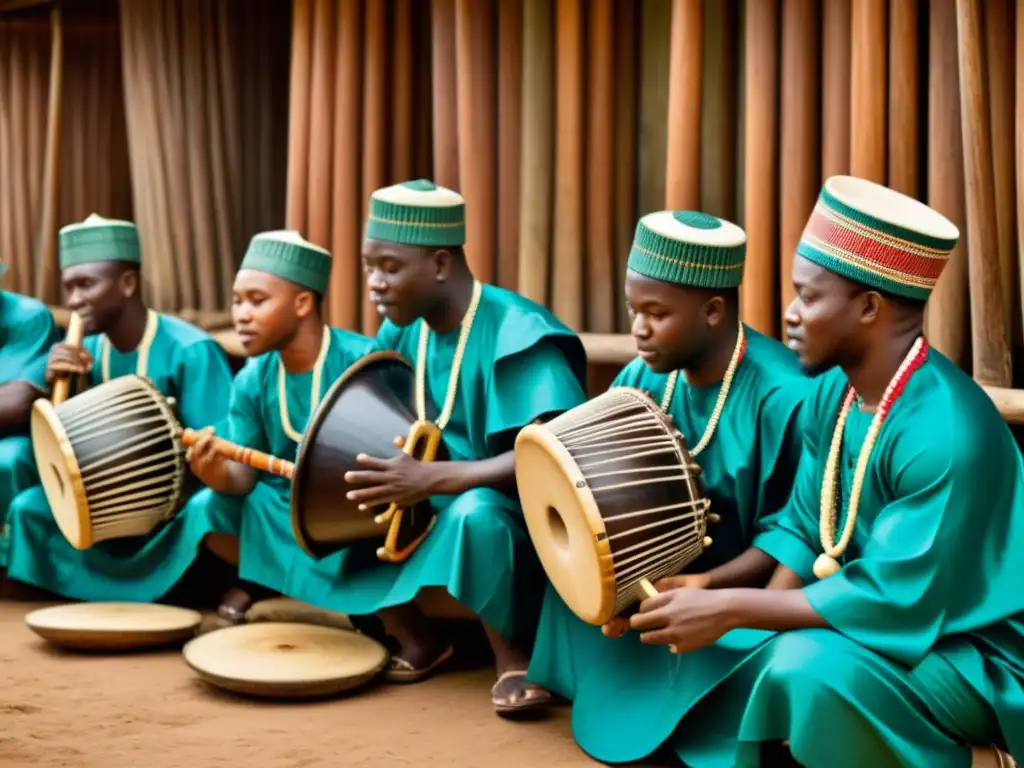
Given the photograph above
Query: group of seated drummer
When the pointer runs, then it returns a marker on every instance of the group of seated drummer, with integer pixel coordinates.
(860, 604)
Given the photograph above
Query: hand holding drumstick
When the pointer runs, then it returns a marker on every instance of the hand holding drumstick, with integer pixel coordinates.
(226, 467)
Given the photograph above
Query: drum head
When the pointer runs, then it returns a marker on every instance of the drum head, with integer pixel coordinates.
(114, 626)
(285, 660)
(364, 411)
(564, 524)
(60, 475)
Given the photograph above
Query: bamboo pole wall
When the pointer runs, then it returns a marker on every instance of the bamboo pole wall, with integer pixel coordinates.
(564, 121)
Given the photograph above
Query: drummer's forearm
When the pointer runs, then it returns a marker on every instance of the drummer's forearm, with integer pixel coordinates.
(752, 568)
(459, 476)
(16, 398)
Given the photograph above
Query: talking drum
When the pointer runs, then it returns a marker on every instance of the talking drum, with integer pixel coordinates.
(111, 460)
(612, 501)
(364, 411)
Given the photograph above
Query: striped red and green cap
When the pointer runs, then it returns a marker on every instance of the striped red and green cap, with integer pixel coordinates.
(878, 237)
(688, 248)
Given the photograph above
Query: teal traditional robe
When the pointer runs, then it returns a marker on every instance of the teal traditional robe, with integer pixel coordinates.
(520, 364)
(187, 364)
(27, 331)
(269, 553)
(747, 470)
(925, 655)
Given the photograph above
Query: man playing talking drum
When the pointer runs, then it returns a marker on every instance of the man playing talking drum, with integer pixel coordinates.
(100, 263)
(891, 632)
(735, 395)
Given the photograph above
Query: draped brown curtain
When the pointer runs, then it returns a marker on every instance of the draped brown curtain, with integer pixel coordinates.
(205, 85)
(63, 149)
(24, 78)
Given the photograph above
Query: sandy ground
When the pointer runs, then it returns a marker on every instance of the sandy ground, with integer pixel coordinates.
(150, 711)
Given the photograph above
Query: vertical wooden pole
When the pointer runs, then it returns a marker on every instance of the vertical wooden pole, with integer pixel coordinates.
(298, 114)
(510, 106)
(999, 55)
(799, 167)
(538, 157)
(321, 113)
(682, 185)
(475, 47)
(835, 88)
(376, 99)
(568, 251)
(720, 76)
(904, 102)
(868, 89)
(346, 194)
(761, 133)
(947, 307)
(46, 261)
(655, 55)
(1020, 148)
(627, 95)
(988, 329)
(446, 129)
(600, 177)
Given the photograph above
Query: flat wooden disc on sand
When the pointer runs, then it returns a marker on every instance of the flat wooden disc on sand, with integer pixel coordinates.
(114, 626)
(285, 660)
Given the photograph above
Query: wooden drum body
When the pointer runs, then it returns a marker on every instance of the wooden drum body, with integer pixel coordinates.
(111, 460)
(364, 411)
(612, 501)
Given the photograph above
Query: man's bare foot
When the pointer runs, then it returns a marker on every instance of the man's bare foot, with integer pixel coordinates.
(421, 649)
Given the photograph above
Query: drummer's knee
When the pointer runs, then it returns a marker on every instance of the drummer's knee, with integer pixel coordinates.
(811, 662)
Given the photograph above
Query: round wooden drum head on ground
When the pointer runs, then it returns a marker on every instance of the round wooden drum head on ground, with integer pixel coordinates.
(285, 660)
(114, 626)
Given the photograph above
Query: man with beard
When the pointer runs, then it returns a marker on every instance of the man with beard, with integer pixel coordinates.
(294, 358)
(490, 362)
(735, 395)
(891, 632)
(100, 270)
(27, 331)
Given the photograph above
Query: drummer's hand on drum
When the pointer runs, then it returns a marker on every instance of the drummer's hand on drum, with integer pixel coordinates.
(684, 580)
(65, 360)
(685, 619)
(619, 625)
(400, 480)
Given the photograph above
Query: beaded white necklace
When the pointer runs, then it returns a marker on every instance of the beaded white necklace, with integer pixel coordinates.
(314, 395)
(453, 376)
(716, 415)
(142, 361)
(827, 563)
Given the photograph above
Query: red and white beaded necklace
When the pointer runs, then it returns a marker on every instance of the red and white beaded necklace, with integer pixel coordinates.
(828, 563)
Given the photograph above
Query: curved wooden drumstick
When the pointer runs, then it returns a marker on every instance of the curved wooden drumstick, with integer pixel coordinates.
(255, 459)
(62, 385)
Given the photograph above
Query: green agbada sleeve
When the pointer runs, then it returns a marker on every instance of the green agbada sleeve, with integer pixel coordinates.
(204, 380)
(942, 557)
(24, 350)
(535, 383)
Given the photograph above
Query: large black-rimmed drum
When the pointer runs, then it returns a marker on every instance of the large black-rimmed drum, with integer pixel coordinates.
(372, 403)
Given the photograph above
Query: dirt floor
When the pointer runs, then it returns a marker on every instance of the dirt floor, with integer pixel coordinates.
(151, 711)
